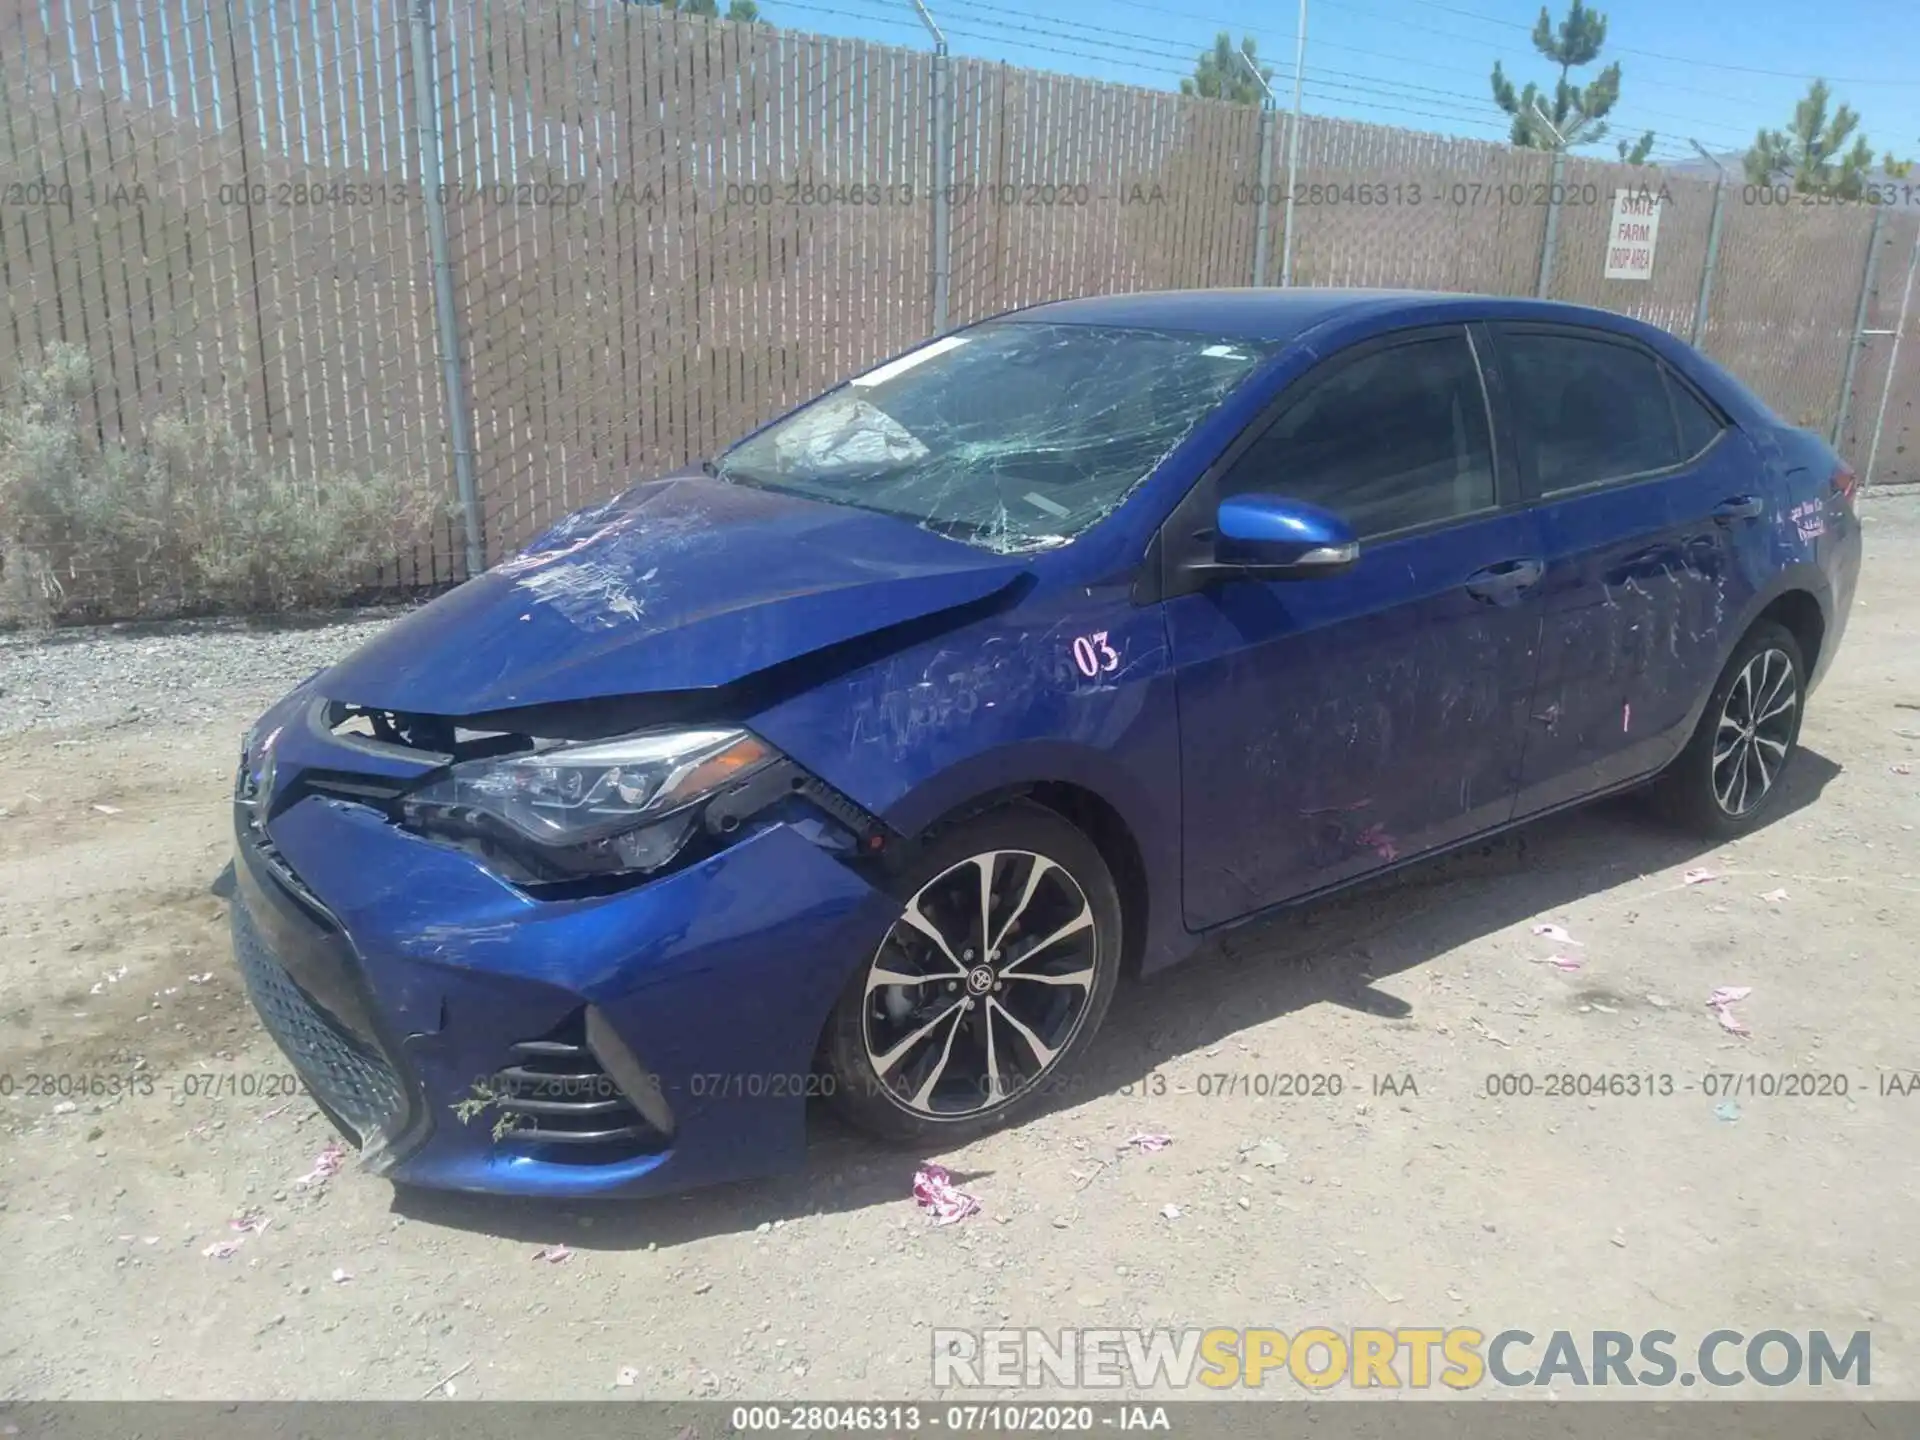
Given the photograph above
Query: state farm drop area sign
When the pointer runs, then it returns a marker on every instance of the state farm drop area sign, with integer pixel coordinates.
(1631, 238)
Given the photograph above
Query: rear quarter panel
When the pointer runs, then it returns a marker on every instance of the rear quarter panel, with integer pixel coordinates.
(1809, 540)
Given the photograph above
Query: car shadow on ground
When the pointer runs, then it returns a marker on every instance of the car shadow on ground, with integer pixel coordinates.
(1330, 951)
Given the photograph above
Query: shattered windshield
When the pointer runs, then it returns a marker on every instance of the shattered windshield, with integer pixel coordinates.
(1013, 436)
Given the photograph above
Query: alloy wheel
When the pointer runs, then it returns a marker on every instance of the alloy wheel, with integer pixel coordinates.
(981, 984)
(1756, 729)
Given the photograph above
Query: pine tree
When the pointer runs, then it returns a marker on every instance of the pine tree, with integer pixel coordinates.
(1809, 155)
(1221, 73)
(1576, 115)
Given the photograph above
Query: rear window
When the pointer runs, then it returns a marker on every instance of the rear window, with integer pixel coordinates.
(1699, 426)
(1587, 411)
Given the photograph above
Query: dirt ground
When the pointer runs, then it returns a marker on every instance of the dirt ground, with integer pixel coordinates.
(1441, 1207)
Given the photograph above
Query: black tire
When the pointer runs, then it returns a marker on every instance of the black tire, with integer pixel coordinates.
(1716, 798)
(1068, 983)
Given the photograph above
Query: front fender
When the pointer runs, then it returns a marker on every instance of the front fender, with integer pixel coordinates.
(1072, 687)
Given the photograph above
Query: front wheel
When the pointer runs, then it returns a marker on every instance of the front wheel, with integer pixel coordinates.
(1727, 780)
(987, 987)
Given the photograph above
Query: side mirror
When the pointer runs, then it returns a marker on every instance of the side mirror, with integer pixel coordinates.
(1265, 537)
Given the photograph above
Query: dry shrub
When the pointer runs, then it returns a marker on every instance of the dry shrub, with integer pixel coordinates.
(187, 519)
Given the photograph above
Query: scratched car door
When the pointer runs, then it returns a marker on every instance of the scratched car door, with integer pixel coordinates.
(1636, 565)
(1335, 725)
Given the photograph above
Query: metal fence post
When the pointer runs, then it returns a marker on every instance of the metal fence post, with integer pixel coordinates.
(1713, 257)
(1293, 145)
(1859, 340)
(942, 257)
(1263, 205)
(1550, 241)
(1893, 363)
(453, 377)
(254, 292)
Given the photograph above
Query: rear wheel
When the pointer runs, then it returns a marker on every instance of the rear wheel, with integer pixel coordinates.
(1728, 778)
(987, 987)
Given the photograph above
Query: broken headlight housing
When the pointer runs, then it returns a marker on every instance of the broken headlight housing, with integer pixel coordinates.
(567, 811)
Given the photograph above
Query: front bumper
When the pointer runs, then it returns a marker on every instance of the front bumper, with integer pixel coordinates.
(400, 976)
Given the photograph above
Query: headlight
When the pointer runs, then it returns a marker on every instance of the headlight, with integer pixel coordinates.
(592, 809)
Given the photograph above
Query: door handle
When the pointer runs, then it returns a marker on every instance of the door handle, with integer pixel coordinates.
(1506, 580)
(1737, 507)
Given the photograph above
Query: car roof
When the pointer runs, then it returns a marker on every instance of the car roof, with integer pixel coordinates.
(1281, 315)
(1327, 320)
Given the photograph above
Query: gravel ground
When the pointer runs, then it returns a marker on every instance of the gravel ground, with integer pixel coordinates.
(1443, 1205)
(124, 674)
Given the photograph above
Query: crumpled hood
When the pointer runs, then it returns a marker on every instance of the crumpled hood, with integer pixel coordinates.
(682, 583)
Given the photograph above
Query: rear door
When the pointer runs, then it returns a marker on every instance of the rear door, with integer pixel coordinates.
(1643, 491)
(1332, 726)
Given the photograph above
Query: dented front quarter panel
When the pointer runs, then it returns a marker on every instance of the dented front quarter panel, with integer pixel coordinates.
(1073, 685)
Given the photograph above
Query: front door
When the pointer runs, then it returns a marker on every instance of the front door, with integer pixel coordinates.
(1333, 726)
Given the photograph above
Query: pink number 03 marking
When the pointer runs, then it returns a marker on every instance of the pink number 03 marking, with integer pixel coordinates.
(1094, 655)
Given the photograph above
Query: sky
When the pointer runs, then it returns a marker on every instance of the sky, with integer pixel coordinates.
(1712, 71)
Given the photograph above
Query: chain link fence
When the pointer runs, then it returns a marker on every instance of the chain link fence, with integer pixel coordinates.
(659, 230)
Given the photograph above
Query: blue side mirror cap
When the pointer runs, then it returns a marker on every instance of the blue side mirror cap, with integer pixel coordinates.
(1271, 537)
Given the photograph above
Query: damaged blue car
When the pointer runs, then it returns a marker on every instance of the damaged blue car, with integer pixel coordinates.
(861, 762)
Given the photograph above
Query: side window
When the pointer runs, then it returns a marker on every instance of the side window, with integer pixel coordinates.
(1699, 426)
(1587, 411)
(1396, 439)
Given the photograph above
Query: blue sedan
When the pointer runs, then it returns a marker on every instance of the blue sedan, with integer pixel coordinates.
(863, 761)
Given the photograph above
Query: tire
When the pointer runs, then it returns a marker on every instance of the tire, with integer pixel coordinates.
(967, 1047)
(1712, 791)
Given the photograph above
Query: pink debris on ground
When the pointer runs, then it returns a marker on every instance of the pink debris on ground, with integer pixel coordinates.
(325, 1165)
(1561, 962)
(221, 1250)
(553, 1254)
(1699, 877)
(1146, 1144)
(250, 1222)
(933, 1189)
(1721, 1003)
(1556, 934)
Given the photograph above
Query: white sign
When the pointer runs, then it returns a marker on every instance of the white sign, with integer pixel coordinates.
(1631, 238)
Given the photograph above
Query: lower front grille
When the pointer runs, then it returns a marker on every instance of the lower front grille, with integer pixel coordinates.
(353, 1081)
(558, 1091)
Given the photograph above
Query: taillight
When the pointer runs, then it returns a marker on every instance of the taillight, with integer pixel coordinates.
(1844, 482)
